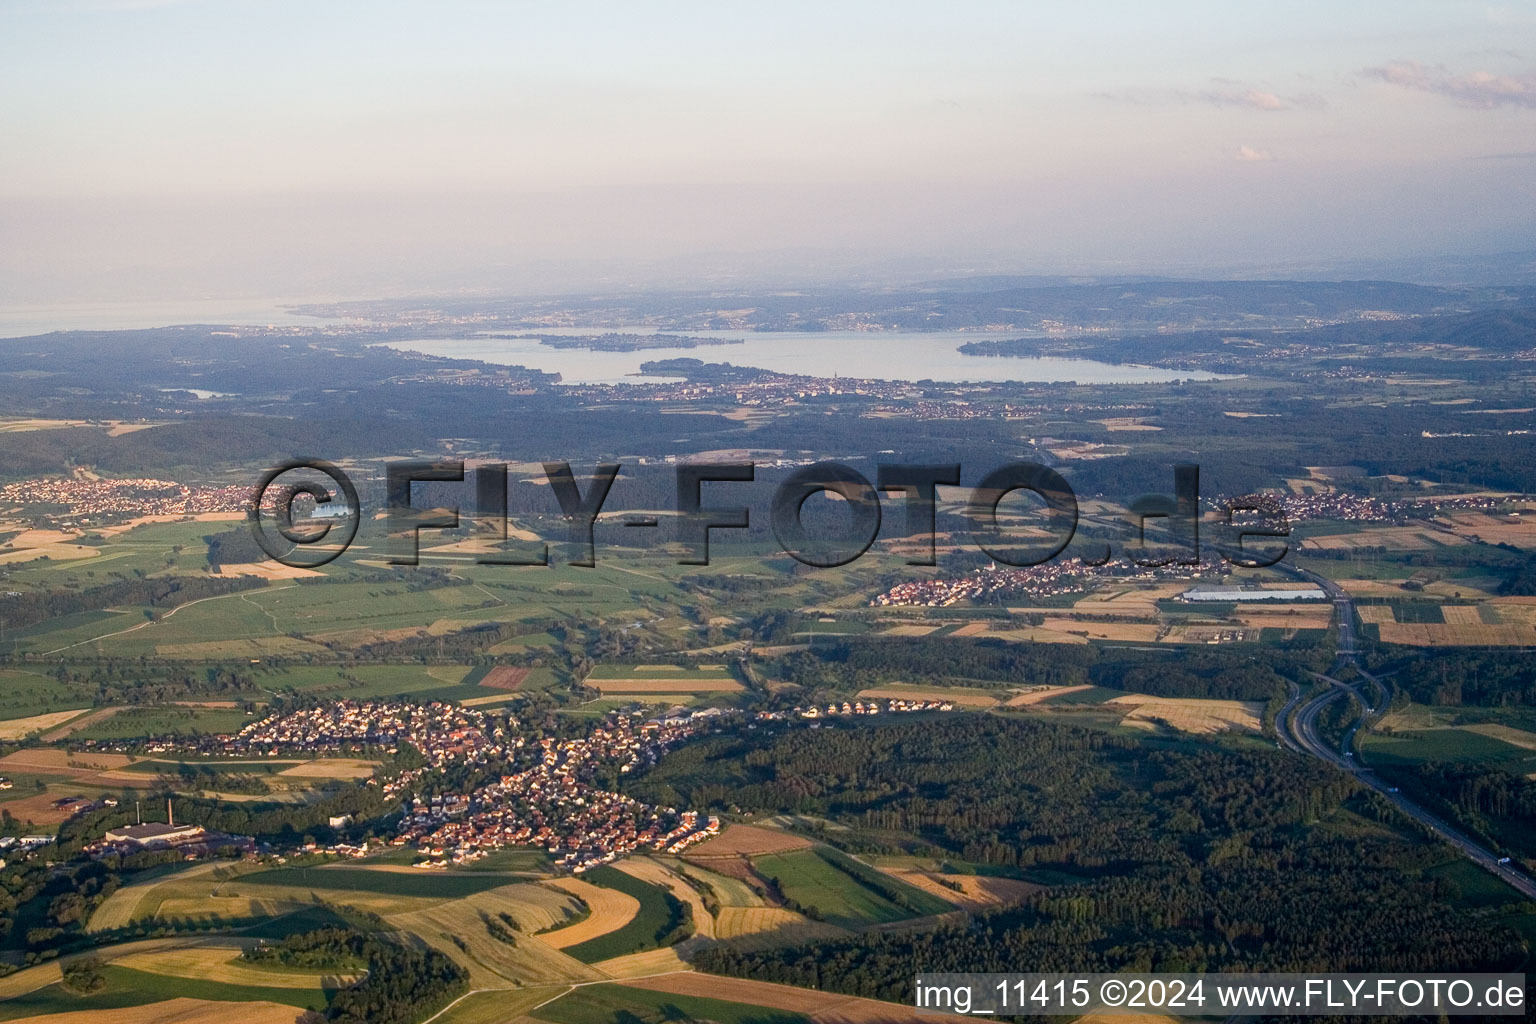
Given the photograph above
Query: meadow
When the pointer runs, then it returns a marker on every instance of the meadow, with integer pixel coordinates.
(833, 887)
(390, 882)
(126, 987)
(624, 1004)
(654, 918)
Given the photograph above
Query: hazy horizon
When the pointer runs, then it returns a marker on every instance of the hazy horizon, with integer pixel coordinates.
(221, 148)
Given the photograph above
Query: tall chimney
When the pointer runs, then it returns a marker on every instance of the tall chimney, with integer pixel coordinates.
(170, 819)
(138, 812)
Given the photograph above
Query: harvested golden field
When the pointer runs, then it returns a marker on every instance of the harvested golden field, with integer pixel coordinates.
(61, 762)
(821, 1007)
(732, 892)
(685, 684)
(29, 980)
(659, 875)
(531, 904)
(175, 1011)
(1482, 590)
(217, 908)
(1441, 634)
(488, 699)
(1144, 632)
(1117, 423)
(267, 570)
(1372, 588)
(501, 1005)
(91, 769)
(1394, 538)
(971, 629)
(19, 728)
(942, 693)
(1521, 738)
(1036, 634)
(332, 768)
(912, 630)
(41, 538)
(1375, 613)
(747, 841)
(978, 892)
(1128, 600)
(1043, 693)
(120, 909)
(1514, 611)
(1194, 716)
(58, 552)
(492, 963)
(756, 928)
(653, 961)
(222, 964)
(168, 517)
(611, 910)
(1286, 616)
(1516, 531)
(1461, 615)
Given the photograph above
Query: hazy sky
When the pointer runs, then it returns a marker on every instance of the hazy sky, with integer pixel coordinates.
(266, 147)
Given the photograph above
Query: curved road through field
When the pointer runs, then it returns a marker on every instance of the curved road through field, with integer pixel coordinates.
(1297, 726)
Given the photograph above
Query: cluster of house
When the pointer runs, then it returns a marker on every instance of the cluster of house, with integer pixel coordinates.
(556, 805)
(553, 804)
(766, 389)
(1037, 582)
(1337, 505)
(88, 501)
(444, 733)
(857, 707)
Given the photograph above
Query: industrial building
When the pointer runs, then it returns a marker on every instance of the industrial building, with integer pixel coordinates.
(1224, 594)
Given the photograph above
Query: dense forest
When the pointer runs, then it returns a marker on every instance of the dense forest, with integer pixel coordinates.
(1164, 857)
(1464, 676)
(403, 983)
(1252, 673)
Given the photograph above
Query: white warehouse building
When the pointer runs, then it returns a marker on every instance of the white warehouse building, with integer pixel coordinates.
(1246, 594)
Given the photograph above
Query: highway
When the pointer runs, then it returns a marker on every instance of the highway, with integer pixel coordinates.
(1297, 726)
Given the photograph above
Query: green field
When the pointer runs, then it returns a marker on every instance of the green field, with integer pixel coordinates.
(602, 672)
(1092, 695)
(1476, 887)
(527, 859)
(653, 920)
(160, 721)
(831, 883)
(432, 884)
(361, 682)
(28, 692)
(210, 769)
(127, 987)
(1445, 744)
(621, 1004)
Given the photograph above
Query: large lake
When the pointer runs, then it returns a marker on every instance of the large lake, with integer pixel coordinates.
(882, 355)
(21, 320)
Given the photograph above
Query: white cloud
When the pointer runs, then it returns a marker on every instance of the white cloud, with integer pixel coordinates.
(1223, 92)
(1479, 90)
(1252, 155)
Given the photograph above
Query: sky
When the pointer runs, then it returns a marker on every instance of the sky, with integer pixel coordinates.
(351, 148)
